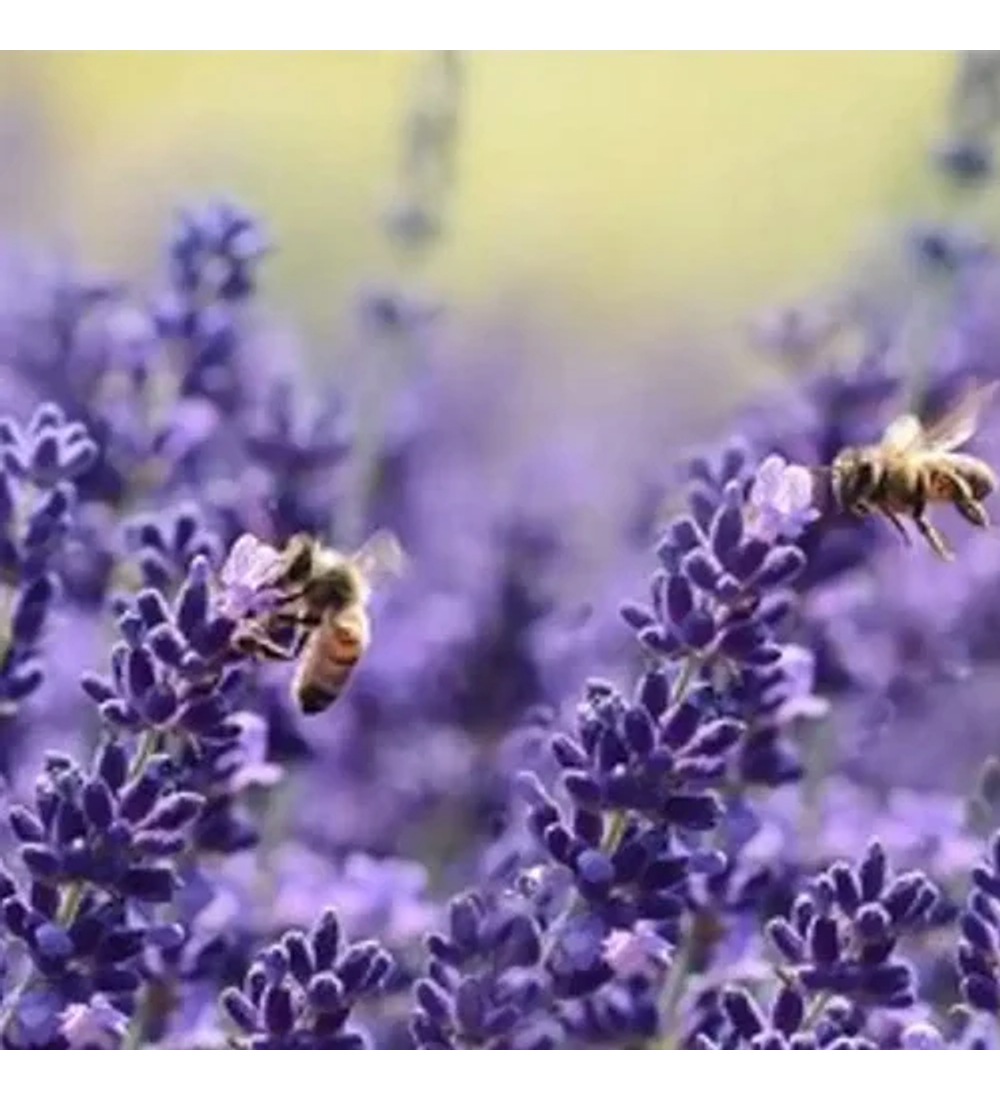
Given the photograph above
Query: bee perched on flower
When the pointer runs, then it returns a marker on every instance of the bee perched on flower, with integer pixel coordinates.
(318, 595)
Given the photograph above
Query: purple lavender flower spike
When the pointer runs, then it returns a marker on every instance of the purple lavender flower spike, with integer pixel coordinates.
(87, 964)
(300, 993)
(214, 250)
(114, 839)
(164, 546)
(977, 954)
(732, 1019)
(845, 947)
(484, 986)
(40, 463)
(176, 674)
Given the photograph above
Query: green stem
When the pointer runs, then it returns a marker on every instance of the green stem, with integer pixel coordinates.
(815, 1010)
(684, 957)
(69, 905)
(673, 990)
(147, 746)
(614, 828)
(692, 663)
(6, 607)
(136, 1029)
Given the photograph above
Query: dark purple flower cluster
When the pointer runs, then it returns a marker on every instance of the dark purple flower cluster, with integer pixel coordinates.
(99, 848)
(484, 988)
(113, 828)
(163, 546)
(104, 847)
(843, 930)
(300, 992)
(39, 465)
(645, 782)
(173, 673)
(734, 1021)
(979, 946)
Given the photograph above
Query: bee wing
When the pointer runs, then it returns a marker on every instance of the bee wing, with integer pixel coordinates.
(380, 558)
(251, 562)
(903, 434)
(959, 423)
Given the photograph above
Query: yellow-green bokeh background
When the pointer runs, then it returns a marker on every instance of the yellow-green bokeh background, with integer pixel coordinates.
(606, 194)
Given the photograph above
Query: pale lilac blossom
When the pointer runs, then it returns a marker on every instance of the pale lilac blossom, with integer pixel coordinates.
(781, 505)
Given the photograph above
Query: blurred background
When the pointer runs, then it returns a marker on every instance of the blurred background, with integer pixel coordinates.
(616, 203)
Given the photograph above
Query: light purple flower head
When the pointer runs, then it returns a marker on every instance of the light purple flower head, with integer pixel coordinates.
(248, 579)
(637, 952)
(922, 1036)
(96, 1025)
(781, 500)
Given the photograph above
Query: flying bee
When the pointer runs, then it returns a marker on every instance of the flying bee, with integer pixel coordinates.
(320, 597)
(915, 464)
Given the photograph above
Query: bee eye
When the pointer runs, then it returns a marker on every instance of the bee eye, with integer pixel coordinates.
(864, 477)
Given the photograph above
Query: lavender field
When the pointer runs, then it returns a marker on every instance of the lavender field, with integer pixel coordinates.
(655, 745)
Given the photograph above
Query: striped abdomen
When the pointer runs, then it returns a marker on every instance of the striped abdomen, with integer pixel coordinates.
(976, 474)
(328, 659)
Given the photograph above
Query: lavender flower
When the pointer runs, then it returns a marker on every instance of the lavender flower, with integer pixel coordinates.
(76, 948)
(97, 1025)
(743, 1025)
(780, 504)
(162, 547)
(978, 946)
(40, 463)
(842, 932)
(174, 673)
(112, 828)
(722, 597)
(484, 988)
(301, 991)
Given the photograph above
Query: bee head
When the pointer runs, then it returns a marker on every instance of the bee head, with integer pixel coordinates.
(334, 587)
(299, 555)
(852, 475)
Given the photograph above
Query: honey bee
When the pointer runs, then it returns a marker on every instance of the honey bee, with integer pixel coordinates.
(915, 464)
(322, 599)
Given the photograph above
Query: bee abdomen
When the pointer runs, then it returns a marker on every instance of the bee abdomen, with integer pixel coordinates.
(977, 475)
(328, 661)
(312, 697)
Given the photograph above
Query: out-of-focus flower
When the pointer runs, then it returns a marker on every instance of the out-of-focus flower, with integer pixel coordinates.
(39, 465)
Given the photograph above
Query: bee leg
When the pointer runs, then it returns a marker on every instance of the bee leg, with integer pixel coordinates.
(931, 534)
(897, 523)
(966, 503)
(290, 596)
(306, 620)
(253, 644)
